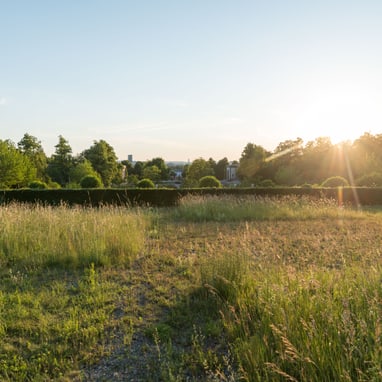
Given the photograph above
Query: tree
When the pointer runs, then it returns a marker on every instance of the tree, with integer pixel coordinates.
(373, 179)
(320, 161)
(137, 169)
(82, 168)
(145, 183)
(220, 168)
(366, 154)
(152, 172)
(60, 164)
(16, 170)
(31, 147)
(91, 181)
(103, 159)
(164, 171)
(287, 175)
(251, 161)
(197, 169)
(209, 181)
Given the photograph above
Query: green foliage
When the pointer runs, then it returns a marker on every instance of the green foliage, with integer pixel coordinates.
(197, 170)
(94, 197)
(91, 181)
(137, 170)
(61, 163)
(16, 170)
(81, 168)
(103, 160)
(220, 168)
(209, 182)
(251, 161)
(54, 185)
(157, 163)
(266, 183)
(287, 175)
(38, 184)
(335, 181)
(152, 172)
(373, 179)
(170, 197)
(31, 147)
(145, 183)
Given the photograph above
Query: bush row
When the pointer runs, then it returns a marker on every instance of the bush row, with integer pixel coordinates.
(170, 197)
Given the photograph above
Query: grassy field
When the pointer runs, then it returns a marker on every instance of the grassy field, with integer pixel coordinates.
(216, 289)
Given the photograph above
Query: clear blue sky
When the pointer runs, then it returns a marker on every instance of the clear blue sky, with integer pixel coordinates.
(182, 79)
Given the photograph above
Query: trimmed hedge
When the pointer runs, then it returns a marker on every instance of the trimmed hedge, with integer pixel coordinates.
(92, 197)
(170, 197)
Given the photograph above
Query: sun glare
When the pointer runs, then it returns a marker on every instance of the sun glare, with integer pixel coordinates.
(341, 111)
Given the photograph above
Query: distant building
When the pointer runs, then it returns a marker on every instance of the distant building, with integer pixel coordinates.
(231, 172)
(130, 158)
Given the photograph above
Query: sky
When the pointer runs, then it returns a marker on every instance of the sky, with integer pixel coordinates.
(183, 79)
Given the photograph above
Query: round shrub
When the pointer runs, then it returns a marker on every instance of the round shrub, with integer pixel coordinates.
(373, 179)
(54, 185)
(266, 183)
(90, 181)
(37, 184)
(209, 181)
(146, 183)
(335, 181)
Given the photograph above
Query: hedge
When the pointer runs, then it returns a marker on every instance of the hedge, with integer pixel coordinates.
(170, 197)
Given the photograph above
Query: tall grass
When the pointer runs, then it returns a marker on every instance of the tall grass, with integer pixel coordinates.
(252, 208)
(70, 237)
(57, 303)
(294, 325)
(283, 289)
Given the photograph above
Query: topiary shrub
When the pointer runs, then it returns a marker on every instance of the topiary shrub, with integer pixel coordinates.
(335, 181)
(54, 185)
(145, 183)
(209, 181)
(90, 181)
(37, 184)
(266, 183)
(373, 179)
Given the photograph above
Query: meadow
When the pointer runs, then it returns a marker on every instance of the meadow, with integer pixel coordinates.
(215, 289)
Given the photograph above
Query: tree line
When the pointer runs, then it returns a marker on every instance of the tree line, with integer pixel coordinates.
(318, 162)
(292, 163)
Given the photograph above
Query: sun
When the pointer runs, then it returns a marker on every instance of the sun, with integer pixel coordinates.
(342, 112)
(336, 119)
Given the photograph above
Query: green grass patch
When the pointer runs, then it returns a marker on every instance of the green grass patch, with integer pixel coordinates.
(219, 289)
(70, 237)
(227, 208)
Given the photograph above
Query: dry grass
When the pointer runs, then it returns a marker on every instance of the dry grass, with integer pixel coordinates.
(291, 293)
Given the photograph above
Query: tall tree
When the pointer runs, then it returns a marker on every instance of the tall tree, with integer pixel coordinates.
(251, 161)
(152, 172)
(103, 159)
(283, 163)
(161, 165)
(221, 168)
(16, 170)
(366, 154)
(82, 168)
(318, 160)
(32, 148)
(197, 170)
(137, 170)
(61, 162)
